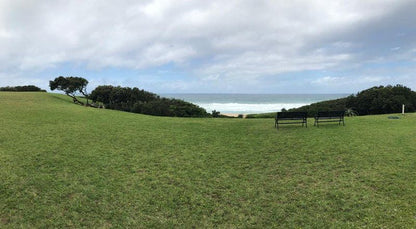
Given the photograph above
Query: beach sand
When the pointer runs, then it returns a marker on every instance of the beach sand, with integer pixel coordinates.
(233, 115)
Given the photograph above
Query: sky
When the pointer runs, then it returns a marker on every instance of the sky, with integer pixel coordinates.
(216, 46)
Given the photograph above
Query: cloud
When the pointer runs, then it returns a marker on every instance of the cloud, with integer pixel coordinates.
(328, 80)
(210, 40)
(342, 81)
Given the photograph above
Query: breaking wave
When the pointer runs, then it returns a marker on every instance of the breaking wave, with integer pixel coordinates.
(248, 108)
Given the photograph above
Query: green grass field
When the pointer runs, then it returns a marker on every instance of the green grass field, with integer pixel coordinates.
(64, 165)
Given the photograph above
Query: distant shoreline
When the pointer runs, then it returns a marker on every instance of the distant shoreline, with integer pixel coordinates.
(234, 115)
(252, 103)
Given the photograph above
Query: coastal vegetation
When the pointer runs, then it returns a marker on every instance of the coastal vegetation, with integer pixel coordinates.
(21, 88)
(376, 100)
(144, 102)
(71, 86)
(126, 99)
(262, 115)
(64, 165)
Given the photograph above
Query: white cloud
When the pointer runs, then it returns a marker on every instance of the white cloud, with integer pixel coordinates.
(328, 81)
(254, 64)
(229, 39)
(338, 80)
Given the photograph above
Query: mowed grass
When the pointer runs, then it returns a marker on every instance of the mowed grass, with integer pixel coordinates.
(64, 165)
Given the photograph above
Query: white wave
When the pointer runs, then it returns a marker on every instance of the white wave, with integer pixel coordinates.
(248, 108)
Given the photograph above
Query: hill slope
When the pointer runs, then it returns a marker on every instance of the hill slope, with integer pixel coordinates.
(67, 165)
(376, 100)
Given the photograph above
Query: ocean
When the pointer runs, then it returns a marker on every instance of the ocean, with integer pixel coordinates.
(252, 103)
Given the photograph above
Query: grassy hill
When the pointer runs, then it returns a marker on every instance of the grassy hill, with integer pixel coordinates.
(64, 165)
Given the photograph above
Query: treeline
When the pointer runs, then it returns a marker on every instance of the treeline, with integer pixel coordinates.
(22, 88)
(126, 99)
(375, 100)
(144, 102)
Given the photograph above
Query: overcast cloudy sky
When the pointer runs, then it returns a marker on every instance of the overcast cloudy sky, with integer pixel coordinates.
(166, 46)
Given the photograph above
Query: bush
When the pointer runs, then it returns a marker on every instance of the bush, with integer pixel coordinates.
(329, 105)
(22, 88)
(140, 101)
(375, 100)
(263, 115)
(215, 114)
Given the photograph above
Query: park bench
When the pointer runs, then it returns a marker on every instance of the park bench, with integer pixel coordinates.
(290, 118)
(329, 116)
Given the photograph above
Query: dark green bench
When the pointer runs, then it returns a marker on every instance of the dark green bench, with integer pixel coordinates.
(290, 118)
(329, 116)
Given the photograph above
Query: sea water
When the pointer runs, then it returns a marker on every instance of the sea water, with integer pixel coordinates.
(252, 103)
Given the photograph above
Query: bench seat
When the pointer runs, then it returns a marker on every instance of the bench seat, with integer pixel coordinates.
(290, 118)
(329, 116)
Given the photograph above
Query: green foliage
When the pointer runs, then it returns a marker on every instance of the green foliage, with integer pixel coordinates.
(383, 100)
(125, 170)
(71, 86)
(140, 101)
(22, 88)
(330, 105)
(262, 115)
(350, 112)
(171, 107)
(375, 100)
(215, 114)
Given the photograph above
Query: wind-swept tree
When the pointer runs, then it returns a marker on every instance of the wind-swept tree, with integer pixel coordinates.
(71, 86)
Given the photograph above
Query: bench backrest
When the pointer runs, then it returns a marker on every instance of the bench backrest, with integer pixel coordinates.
(330, 114)
(290, 115)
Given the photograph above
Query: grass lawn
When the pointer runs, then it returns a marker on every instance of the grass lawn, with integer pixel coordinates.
(64, 165)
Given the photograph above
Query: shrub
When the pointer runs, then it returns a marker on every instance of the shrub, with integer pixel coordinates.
(375, 100)
(140, 101)
(22, 88)
(215, 114)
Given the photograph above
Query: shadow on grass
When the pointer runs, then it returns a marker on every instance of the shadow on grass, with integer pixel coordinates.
(329, 126)
(321, 126)
(61, 98)
(291, 127)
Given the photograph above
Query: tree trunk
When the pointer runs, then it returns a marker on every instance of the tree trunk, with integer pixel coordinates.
(75, 99)
(86, 96)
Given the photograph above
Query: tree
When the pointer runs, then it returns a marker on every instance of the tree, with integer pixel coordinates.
(102, 94)
(144, 102)
(70, 85)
